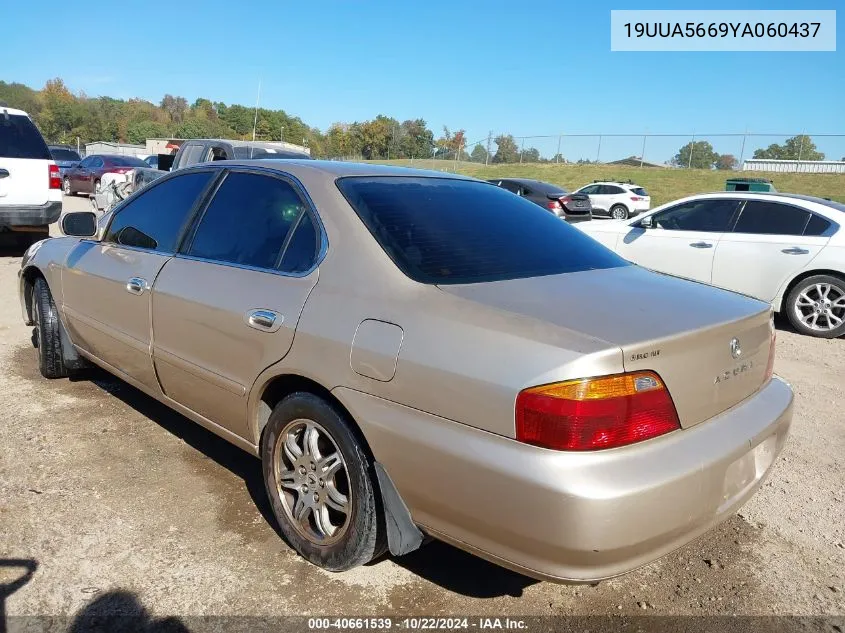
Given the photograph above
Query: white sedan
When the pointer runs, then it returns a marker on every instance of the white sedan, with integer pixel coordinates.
(783, 248)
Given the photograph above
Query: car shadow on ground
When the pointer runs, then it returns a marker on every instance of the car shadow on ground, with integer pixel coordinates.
(450, 568)
(121, 611)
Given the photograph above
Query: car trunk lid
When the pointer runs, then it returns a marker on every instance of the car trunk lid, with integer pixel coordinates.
(682, 330)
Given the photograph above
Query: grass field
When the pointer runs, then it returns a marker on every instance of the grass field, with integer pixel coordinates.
(664, 185)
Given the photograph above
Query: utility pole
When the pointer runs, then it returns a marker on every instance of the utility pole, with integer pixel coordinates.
(801, 145)
(642, 151)
(557, 156)
(691, 146)
(598, 151)
(282, 133)
(487, 157)
(742, 149)
(521, 149)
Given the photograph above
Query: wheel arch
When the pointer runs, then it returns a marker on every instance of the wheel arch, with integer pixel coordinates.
(797, 279)
(28, 277)
(403, 535)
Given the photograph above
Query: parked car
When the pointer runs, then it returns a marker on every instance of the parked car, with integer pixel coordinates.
(570, 207)
(152, 161)
(618, 200)
(65, 157)
(198, 151)
(788, 250)
(30, 187)
(411, 352)
(85, 177)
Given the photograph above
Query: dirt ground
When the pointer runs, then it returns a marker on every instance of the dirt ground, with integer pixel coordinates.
(107, 491)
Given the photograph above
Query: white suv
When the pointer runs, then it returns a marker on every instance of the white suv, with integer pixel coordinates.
(617, 200)
(30, 186)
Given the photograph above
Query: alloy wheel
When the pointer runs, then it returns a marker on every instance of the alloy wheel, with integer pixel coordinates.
(821, 307)
(313, 482)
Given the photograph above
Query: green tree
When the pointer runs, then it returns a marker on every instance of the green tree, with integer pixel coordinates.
(417, 140)
(479, 154)
(531, 155)
(138, 132)
(726, 161)
(703, 155)
(799, 147)
(506, 149)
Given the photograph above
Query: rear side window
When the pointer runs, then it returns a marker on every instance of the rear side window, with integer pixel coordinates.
(127, 161)
(707, 215)
(248, 221)
(639, 191)
(449, 231)
(154, 219)
(611, 190)
(771, 218)
(19, 138)
(817, 225)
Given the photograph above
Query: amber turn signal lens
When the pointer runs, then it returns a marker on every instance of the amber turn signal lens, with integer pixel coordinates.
(595, 413)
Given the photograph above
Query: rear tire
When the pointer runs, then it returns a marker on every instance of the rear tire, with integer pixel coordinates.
(47, 332)
(311, 480)
(619, 212)
(816, 306)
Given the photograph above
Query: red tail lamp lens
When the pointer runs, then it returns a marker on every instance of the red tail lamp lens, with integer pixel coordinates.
(595, 413)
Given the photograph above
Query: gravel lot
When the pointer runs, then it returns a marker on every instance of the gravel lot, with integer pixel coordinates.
(108, 491)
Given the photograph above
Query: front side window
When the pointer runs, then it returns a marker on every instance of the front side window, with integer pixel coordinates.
(86, 162)
(451, 231)
(771, 218)
(590, 190)
(156, 217)
(248, 223)
(708, 215)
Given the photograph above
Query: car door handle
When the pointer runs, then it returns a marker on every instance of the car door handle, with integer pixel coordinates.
(4, 173)
(795, 250)
(136, 286)
(264, 320)
(701, 245)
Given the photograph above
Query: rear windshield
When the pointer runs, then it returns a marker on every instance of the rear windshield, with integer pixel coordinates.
(19, 138)
(448, 231)
(639, 191)
(265, 154)
(551, 189)
(64, 154)
(128, 161)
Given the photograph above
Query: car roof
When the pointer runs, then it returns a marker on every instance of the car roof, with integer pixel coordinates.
(13, 111)
(336, 169)
(614, 182)
(838, 206)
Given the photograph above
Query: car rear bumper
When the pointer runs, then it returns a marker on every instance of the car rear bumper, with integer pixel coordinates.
(574, 517)
(39, 215)
(574, 219)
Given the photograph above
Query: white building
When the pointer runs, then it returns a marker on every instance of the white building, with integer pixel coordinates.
(795, 166)
(125, 149)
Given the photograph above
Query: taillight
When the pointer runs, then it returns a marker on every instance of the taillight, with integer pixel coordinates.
(566, 199)
(53, 175)
(121, 170)
(553, 205)
(595, 413)
(637, 198)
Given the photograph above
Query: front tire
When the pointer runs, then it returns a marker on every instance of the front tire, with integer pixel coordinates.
(619, 212)
(47, 332)
(320, 480)
(816, 306)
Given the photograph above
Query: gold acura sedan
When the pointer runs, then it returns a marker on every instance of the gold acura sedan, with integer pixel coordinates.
(415, 354)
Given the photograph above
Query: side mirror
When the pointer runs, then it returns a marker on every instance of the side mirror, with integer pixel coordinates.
(647, 222)
(79, 224)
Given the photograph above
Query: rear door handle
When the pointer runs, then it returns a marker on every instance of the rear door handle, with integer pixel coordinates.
(136, 286)
(264, 320)
(701, 245)
(795, 250)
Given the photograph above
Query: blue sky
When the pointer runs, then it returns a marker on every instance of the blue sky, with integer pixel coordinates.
(530, 68)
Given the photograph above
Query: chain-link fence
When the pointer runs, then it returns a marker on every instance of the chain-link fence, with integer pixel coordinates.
(693, 150)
